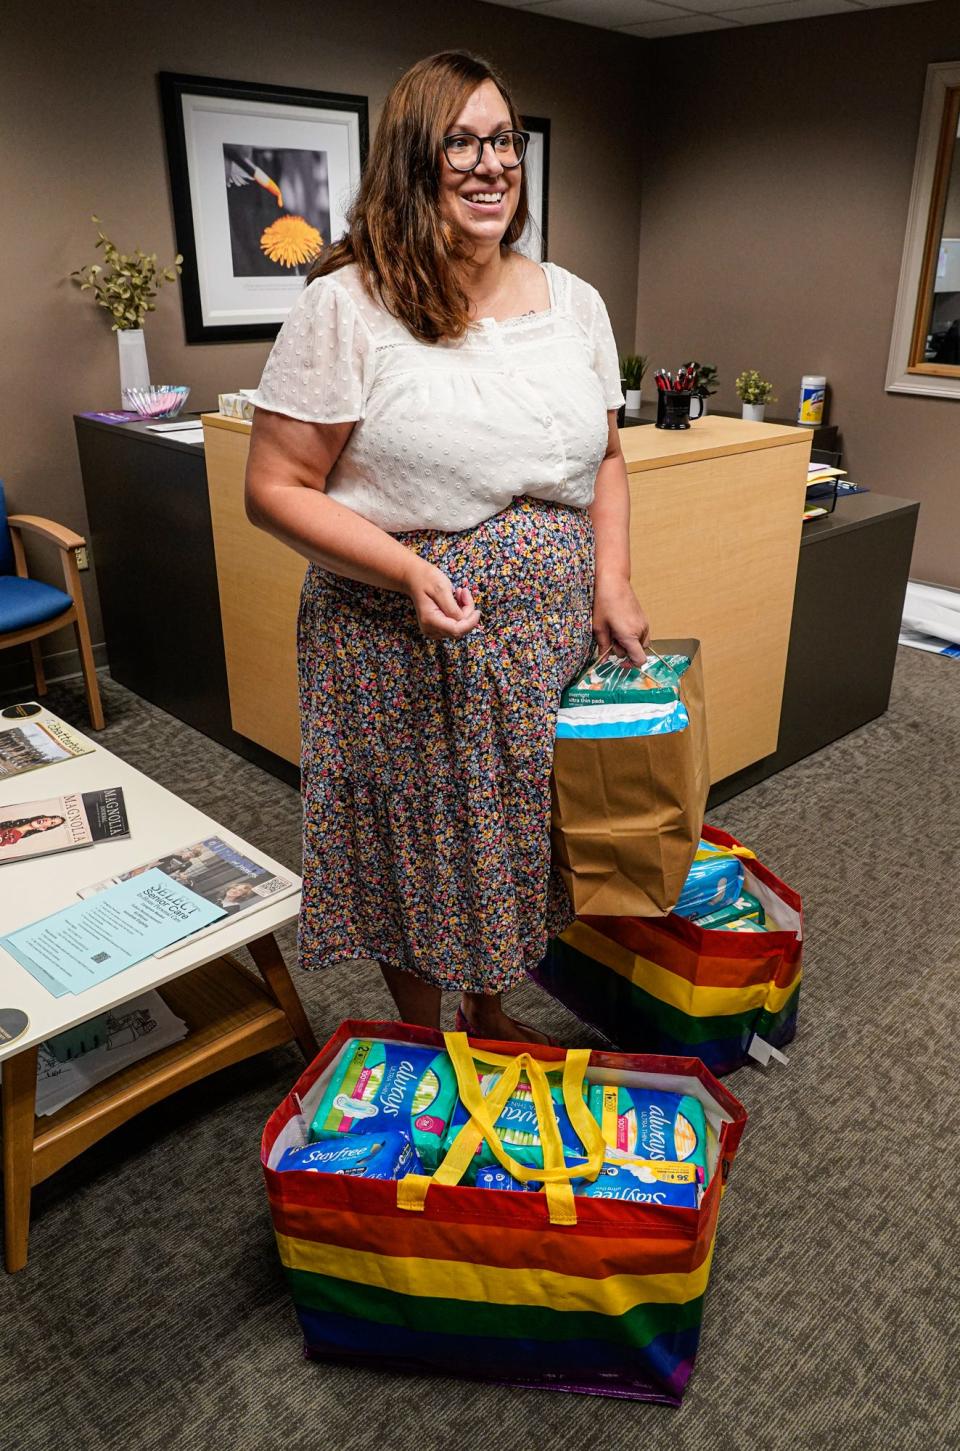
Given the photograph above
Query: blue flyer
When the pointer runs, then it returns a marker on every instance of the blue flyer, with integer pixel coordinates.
(86, 943)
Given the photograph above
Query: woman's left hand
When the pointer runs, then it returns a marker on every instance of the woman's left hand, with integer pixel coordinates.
(618, 618)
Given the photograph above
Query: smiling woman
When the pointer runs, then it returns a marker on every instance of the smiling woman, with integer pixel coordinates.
(435, 431)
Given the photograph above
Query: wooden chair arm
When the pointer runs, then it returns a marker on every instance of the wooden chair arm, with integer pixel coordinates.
(57, 534)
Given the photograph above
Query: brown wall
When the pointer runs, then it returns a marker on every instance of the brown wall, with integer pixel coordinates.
(80, 119)
(773, 227)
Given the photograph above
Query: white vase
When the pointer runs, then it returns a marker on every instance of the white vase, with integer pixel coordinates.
(633, 397)
(753, 412)
(132, 352)
(703, 404)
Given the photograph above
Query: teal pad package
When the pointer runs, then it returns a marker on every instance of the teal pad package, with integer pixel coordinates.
(378, 1086)
(647, 1123)
(614, 681)
(517, 1127)
(746, 908)
(387, 1155)
(715, 880)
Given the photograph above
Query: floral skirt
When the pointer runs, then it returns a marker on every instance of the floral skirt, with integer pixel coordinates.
(426, 763)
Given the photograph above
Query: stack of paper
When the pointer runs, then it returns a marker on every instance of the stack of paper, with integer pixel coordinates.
(134, 1031)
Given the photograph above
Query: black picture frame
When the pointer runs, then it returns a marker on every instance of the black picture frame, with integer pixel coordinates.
(214, 294)
(537, 167)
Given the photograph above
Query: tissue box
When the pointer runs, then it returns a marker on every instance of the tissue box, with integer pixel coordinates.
(236, 405)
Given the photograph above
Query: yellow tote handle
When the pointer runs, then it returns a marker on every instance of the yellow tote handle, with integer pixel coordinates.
(484, 1112)
(712, 851)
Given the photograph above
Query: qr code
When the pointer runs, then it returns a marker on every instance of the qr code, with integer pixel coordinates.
(101, 957)
(269, 888)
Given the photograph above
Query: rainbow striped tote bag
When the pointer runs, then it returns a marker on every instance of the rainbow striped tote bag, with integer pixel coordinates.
(665, 985)
(541, 1289)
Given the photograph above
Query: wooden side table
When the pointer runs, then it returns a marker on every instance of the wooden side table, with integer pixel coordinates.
(231, 1012)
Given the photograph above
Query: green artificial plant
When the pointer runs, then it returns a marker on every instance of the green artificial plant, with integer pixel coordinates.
(632, 369)
(751, 388)
(128, 288)
(705, 375)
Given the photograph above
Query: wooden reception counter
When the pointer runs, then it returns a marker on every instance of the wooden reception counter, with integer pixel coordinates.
(714, 537)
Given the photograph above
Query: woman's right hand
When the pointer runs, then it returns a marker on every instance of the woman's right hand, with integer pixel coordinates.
(443, 613)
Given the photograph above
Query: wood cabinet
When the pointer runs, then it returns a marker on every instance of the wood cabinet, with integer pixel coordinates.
(715, 531)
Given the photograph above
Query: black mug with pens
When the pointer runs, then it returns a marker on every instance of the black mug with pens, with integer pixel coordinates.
(675, 396)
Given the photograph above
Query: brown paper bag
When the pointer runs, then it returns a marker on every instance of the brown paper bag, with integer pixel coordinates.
(627, 812)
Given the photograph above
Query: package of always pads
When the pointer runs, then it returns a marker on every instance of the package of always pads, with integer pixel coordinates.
(611, 698)
(715, 880)
(378, 1086)
(646, 1123)
(517, 1126)
(388, 1155)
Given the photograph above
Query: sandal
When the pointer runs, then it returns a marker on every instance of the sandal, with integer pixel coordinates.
(462, 1026)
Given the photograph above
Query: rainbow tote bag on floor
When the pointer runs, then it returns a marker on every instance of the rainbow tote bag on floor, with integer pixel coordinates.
(544, 1289)
(665, 985)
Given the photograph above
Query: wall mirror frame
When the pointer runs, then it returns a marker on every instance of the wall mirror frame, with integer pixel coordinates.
(911, 369)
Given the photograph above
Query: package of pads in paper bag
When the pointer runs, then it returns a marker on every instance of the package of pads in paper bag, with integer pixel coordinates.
(612, 698)
(612, 680)
(651, 1124)
(387, 1155)
(378, 1086)
(715, 880)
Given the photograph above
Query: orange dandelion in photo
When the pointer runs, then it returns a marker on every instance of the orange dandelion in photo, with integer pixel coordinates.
(291, 241)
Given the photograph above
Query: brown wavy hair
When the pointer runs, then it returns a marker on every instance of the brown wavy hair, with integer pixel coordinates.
(408, 255)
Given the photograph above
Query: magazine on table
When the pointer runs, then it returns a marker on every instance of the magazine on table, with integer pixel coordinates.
(61, 823)
(219, 873)
(134, 1030)
(31, 737)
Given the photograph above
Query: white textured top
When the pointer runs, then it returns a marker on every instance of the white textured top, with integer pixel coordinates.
(448, 433)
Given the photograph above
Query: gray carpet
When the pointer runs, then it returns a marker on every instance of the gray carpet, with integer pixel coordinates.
(153, 1313)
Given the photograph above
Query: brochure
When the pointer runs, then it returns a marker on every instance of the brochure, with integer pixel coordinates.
(85, 944)
(61, 823)
(31, 737)
(220, 873)
(133, 1031)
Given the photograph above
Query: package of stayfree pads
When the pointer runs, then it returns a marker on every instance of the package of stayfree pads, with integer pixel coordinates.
(378, 1086)
(387, 1155)
(646, 1123)
(497, 1178)
(645, 1181)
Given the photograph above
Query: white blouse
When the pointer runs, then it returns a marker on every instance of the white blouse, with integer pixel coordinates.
(448, 433)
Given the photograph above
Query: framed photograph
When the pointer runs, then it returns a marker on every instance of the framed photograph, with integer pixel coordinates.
(261, 178)
(536, 163)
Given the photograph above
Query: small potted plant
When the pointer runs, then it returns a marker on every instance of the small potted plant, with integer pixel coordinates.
(632, 369)
(754, 393)
(127, 291)
(705, 383)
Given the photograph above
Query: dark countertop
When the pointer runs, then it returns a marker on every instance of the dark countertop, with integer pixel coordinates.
(854, 511)
(143, 430)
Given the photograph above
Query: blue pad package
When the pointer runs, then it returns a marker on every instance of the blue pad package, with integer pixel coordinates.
(640, 1181)
(517, 1126)
(715, 880)
(388, 1155)
(497, 1178)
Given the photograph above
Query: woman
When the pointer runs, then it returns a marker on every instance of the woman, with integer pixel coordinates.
(436, 432)
(16, 829)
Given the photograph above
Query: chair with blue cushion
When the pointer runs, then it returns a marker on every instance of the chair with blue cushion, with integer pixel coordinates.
(30, 609)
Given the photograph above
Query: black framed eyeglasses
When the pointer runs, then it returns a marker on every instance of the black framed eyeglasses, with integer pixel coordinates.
(463, 150)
